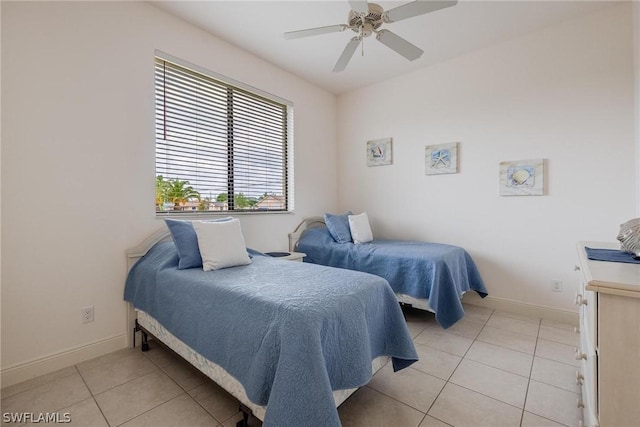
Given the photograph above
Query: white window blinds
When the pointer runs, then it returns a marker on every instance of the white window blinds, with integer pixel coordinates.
(218, 147)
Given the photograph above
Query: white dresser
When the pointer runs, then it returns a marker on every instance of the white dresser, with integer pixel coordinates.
(609, 302)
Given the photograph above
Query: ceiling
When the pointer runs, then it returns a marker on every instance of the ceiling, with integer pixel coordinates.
(258, 27)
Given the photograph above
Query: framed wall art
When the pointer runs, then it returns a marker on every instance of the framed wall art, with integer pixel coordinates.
(522, 178)
(379, 152)
(441, 158)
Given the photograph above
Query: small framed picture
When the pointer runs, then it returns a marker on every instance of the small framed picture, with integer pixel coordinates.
(522, 178)
(379, 152)
(441, 158)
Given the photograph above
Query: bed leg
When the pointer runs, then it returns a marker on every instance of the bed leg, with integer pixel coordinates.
(145, 337)
(244, 422)
(145, 342)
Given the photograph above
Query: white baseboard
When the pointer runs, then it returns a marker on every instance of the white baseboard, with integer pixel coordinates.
(43, 365)
(543, 312)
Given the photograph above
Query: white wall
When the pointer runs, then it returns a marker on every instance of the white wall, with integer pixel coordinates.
(78, 163)
(564, 93)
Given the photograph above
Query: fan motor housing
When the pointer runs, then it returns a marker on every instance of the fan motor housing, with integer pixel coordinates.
(371, 21)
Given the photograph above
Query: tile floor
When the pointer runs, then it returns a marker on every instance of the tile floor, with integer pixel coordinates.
(489, 369)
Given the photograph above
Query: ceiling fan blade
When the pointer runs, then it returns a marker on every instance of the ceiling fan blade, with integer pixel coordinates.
(399, 45)
(347, 53)
(361, 7)
(415, 8)
(315, 31)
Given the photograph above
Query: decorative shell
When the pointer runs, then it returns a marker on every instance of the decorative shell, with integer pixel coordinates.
(520, 176)
(629, 237)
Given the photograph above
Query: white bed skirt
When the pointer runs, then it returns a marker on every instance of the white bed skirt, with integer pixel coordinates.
(420, 303)
(222, 377)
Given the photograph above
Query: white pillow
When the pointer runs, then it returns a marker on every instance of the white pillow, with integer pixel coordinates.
(221, 244)
(360, 228)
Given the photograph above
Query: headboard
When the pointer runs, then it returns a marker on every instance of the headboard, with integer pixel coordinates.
(311, 222)
(133, 255)
(137, 252)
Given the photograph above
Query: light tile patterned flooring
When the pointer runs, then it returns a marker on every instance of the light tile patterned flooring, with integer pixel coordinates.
(489, 369)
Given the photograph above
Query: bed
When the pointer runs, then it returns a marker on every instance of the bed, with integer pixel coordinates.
(291, 341)
(428, 276)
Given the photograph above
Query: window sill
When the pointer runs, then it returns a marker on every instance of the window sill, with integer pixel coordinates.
(205, 215)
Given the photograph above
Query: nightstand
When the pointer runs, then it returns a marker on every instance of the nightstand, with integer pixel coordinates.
(295, 256)
(290, 256)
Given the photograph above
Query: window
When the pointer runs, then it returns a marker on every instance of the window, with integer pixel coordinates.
(219, 147)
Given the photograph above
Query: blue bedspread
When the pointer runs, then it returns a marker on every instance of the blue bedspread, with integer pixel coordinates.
(439, 272)
(289, 332)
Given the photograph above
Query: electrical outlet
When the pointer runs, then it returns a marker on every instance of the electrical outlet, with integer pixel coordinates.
(556, 285)
(87, 314)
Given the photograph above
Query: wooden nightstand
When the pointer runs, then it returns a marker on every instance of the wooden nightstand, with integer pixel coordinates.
(292, 256)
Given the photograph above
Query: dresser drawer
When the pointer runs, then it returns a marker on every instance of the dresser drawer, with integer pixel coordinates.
(588, 373)
(587, 302)
(589, 417)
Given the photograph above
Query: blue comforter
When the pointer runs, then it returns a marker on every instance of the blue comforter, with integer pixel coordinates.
(441, 273)
(289, 332)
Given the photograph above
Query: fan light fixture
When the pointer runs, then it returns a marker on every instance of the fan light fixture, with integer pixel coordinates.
(366, 18)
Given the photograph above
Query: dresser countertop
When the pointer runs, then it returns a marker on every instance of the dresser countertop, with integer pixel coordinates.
(609, 277)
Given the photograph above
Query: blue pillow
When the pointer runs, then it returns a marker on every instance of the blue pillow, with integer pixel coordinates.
(184, 236)
(338, 226)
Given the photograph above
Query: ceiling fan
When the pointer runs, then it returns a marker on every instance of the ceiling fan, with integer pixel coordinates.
(366, 18)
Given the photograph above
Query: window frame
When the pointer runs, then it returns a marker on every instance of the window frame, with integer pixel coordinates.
(287, 155)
